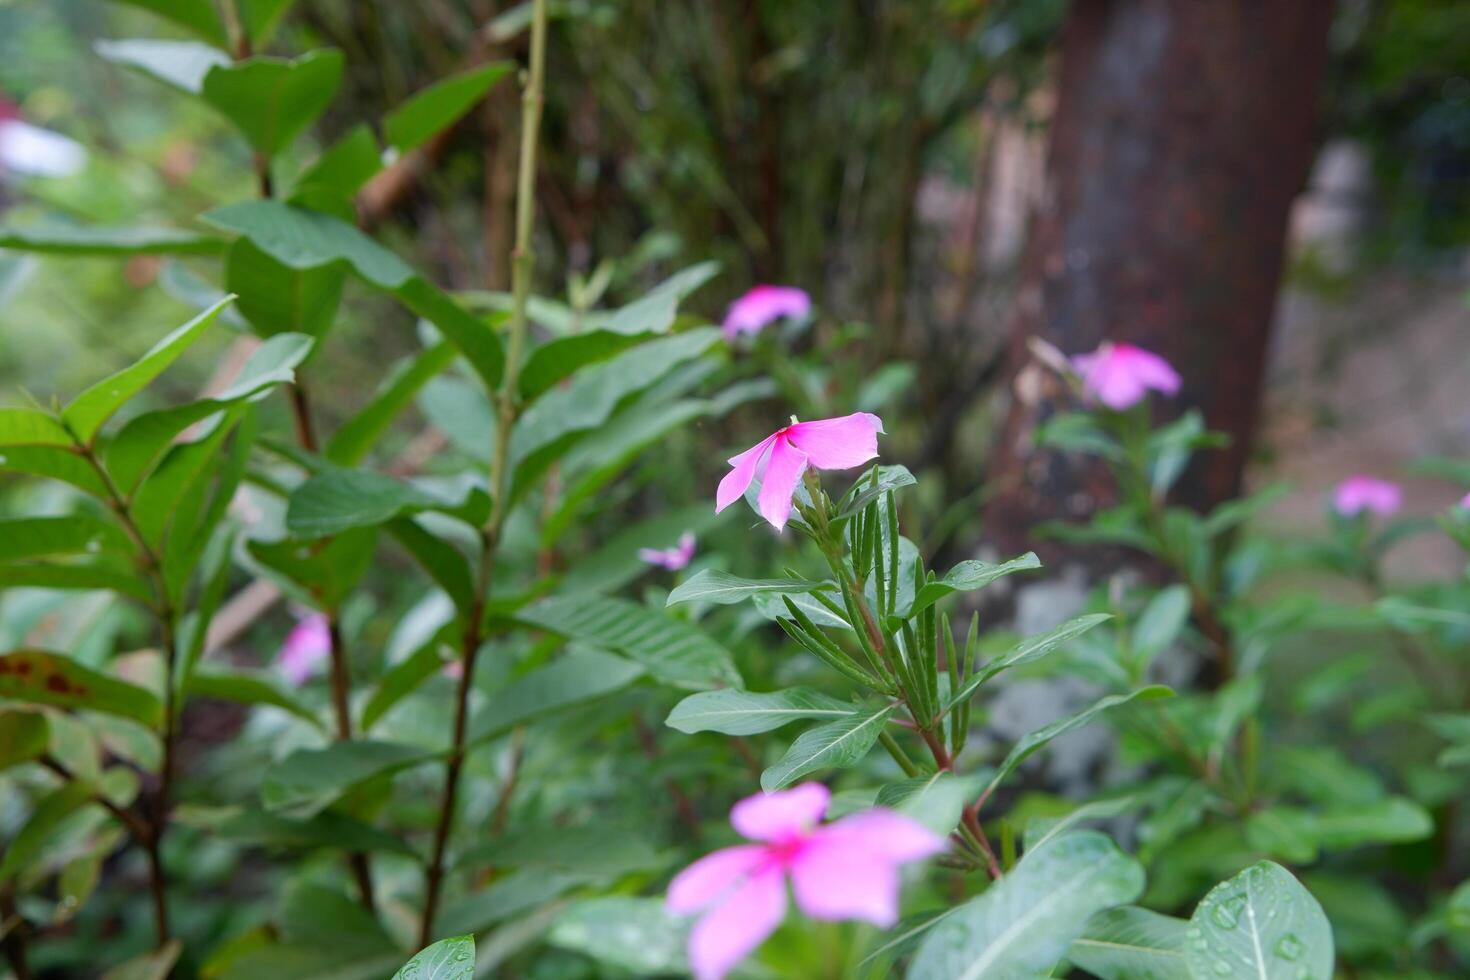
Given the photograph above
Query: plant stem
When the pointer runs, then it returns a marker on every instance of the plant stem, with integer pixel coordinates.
(523, 263)
(14, 928)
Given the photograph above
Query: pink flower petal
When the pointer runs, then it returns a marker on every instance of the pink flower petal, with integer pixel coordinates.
(783, 473)
(306, 646)
(837, 444)
(711, 876)
(833, 881)
(1361, 493)
(735, 927)
(735, 483)
(763, 305)
(1149, 368)
(1465, 502)
(1120, 375)
(885, 833)
(781, 815)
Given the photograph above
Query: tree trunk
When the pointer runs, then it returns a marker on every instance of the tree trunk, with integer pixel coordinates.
(1182, 132)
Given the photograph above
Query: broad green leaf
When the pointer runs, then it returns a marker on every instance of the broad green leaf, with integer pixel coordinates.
(588, 849)
(634, 934)
(328, 571)
(562, 417)
(139, 444)
(1457, 912)
(732, 712)
(38, 677)
(191, 532)
(307, 781)
(80, 240)
(580, 676)
(1161, 621)
(968, 576)
(722, 588)
(182, 64)
(244, 687)
(1031, 741)
(304, 239)
(260, 829)
(85, 415)
(1039, 830)
(278, 299)
(675, 652)
(341, 170)
(1284, 832)
(839, 744)
(936, 800)
(448, 959)
(174, 494)
(156, 965)
(1025, 922)
(201, 18)
(1260, 924)
(50, 537)
(29, 427)
(462, 411)
(351, 443)
(24, 735)
(77, 576)
(428, 111)
(56, 463)
(339, 500)
(513, 894)
(31, 839)
(616, 563)
(261, 17)
(772, 605)
(1130, 943)
(445, 563)
(272, 100)
(407, 675)
(1031, 649)
(863, 491)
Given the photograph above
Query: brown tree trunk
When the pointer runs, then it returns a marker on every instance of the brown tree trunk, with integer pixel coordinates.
(1182, 132)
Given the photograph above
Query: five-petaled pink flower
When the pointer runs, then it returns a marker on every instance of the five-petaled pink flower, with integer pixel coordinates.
(827, 444)
(843, 870)
(1358, 494)
(673, 558)
(764, 305)
(307, 645)
(1119, 375)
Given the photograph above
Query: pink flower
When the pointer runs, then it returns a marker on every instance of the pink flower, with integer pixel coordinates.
(827, 444)
(762, 305)
(1119, 375)
(1465, 502)
(673, 558)
(844, 870)
(1361, 493)
(307, 645)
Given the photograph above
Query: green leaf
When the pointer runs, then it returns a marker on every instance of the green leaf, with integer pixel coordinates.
(407, 675)
(142, 442)
(1031, 649)
(31, 841)
(616, 562)
(463, 412)
(675, 652)
(327, 571)
(182, 64)
(1261, 924)
(304, 239)
(578, 677)
(722, 588)
(257, 828)
(1161, 621)
(272, 100)
(1031, 741)
(50, 537)
(864, 492)
(24, 735)
(201, 18)
(743, 713)
(351, 443)
(85, 415)
(79, 240)
(81, 577)
(429, 110)
(561, 418)
(445, 563)
(339, 500)
(1130, 943)
(341, 171)
(307, 781)
(29, 427)
(595, 848)
(448, 959)
(276, 298)
(149, 966)
(38, 677)
(968, 576)
(1025, 922)
(634, 934)
(244, 687)
(839, 744)
(513, 894)
(936, 800)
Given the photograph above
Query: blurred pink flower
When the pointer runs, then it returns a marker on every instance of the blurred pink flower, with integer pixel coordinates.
(673, 558)
(1119, 375)
(1465, 501)
(843, 870)
(827, 444)
(1361, 493)
(762, 305)
(31, 151)
(306, 646)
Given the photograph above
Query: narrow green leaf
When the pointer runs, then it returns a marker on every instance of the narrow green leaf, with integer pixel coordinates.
(429, 110)
(578, 677)
(81, 240)
(448, 959)
(513, 894)
(1130, 943)
(50, 537)
(78, 576)
(1161, 621)
(839, 744)
(341, 170)
(272, 100)
(244, 687)
(24, 735)
(1260, 924)
(155, 965)
(407, 676)
(732, 712)
(966, 577)
(85, 415)
(864, 492)
(55, 463)
(1031, 649)
(327, 571)
(307, 781)
(351, 443)
(1025, 922)
(445, 563)
(38, 677)
(30, 842)
(339, 500)
(333, 831)
(722, 588)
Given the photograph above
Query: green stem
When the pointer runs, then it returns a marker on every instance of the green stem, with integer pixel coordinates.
(890, 743)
